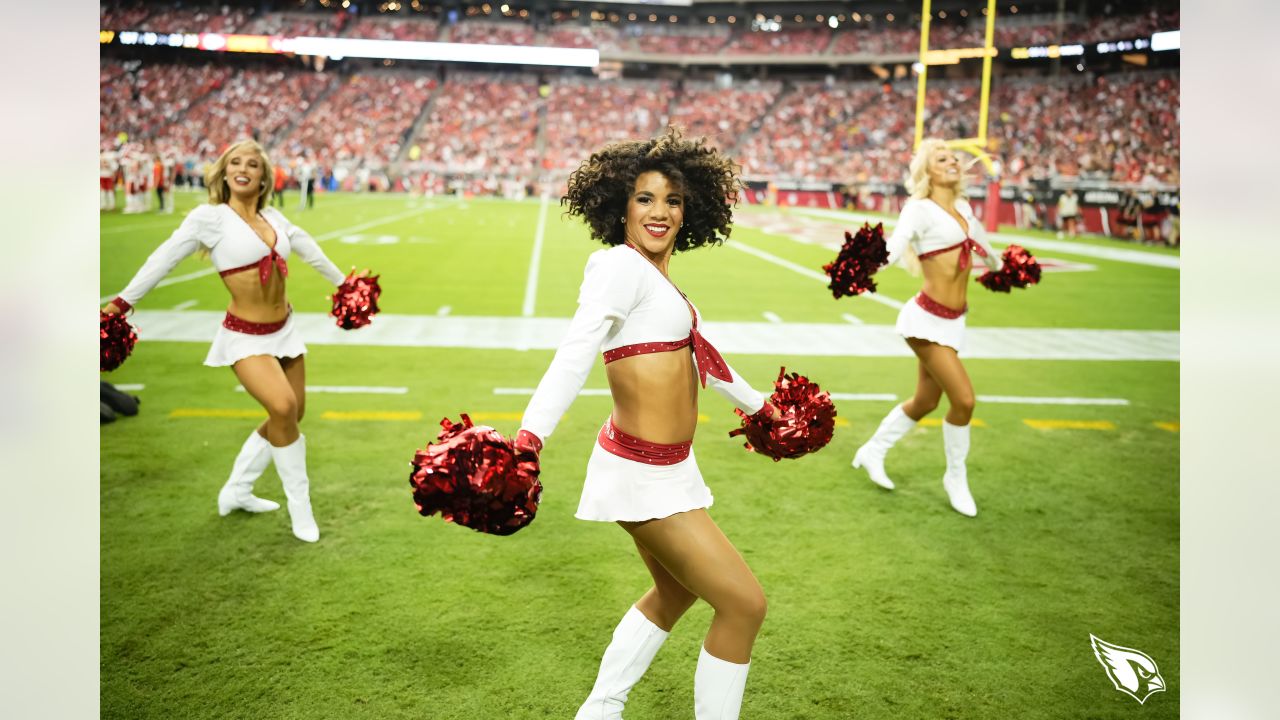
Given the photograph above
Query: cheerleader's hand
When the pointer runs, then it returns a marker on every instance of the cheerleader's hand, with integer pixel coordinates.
(112, 309)
(766, 412)
(526, 443)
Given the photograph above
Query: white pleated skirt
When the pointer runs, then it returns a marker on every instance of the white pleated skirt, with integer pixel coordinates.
(916, 322)
(620, 489)
(230, 346)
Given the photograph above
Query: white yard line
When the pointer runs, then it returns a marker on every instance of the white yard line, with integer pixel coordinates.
(852, 320)
(444, 310)
(888, 397)
(350, 389)
(1015, 400)
(319, 238)
(531, 285)
(1126, 255)
(807, 272)
(130, 387)
(185, 304)
(838, 339)
(771, 317)
(529, 391)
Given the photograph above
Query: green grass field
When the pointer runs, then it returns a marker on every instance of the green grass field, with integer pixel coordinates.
(882, 605)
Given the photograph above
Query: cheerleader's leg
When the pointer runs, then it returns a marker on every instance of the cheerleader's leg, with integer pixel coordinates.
(636, 641)
(944, 365)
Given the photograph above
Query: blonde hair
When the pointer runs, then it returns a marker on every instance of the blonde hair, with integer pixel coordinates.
(215, 176)
(918, 185)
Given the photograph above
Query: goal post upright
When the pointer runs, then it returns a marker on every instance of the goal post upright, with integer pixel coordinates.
(976, 146)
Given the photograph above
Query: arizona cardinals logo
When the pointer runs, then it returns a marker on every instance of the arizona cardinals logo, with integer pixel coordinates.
(1133, 672)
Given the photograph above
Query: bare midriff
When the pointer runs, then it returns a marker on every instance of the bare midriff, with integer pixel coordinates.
(253, 301)
(655, 395)
(944, 280)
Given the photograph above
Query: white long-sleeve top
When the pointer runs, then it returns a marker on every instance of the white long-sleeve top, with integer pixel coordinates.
(928, 228)
(232, 243)
(624, 300)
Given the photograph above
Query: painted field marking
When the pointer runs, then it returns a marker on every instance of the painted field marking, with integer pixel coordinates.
(890, 397)
(771, 317)
(319, 238)
(1136, 257)
(852, 320)
(1070, 424)
(127, 387)
(482, 416)
(215, 413)
(535, 262)
(1170, 426)
(835, 339)
(444, 310)
(703, 418)
(1015, 400)
(351, 389)
(864, 396)
(370, 415)
(186, 304)
(937, 422)
(807, 272)
(529, 391)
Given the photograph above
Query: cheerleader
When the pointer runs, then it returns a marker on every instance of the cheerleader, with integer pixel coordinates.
(108, 168)
(647, 200)
(938, 234)
(250, 245)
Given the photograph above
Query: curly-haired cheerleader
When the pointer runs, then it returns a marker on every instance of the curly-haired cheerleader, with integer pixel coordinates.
(938, 228)
(249, 244)
(648, 200)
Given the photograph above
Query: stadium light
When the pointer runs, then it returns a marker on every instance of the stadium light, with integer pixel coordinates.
(832, 22)
(1171, 40)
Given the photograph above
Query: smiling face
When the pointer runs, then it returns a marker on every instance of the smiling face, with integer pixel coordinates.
(245, 174)
(655, 212)
(944, 168)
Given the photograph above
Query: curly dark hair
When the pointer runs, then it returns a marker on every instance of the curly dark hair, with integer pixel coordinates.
(600, 187)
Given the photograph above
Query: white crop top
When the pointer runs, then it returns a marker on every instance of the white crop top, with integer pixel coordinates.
(931, 230)
(233, 245)
(625, 303)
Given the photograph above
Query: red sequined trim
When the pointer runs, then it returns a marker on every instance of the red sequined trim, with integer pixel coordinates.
(968, 246)
(933, 307)
(633, 448)
(264, 267)
(240, 325)
(627, 351)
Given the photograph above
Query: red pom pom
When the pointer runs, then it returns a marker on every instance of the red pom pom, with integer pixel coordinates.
(806, 419)
(356, 301)
(859, 259)
(116, 340)
(474, 477)
(1020, 270)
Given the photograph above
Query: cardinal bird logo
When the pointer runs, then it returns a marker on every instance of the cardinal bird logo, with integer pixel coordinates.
(1133, 672)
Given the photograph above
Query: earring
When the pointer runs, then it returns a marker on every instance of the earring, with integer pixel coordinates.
(263, 184)
(622, 220)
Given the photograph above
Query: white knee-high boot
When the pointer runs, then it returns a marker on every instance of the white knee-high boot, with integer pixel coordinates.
(955, 439)
(291, 463)
(635, 641)
(237, 494)
(871, 455)
(717, 688)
